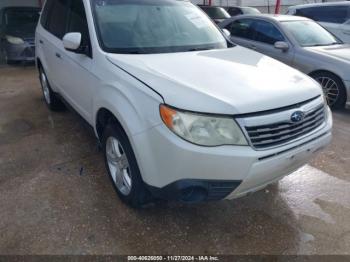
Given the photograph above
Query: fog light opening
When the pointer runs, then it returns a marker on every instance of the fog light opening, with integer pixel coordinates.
(193, 194)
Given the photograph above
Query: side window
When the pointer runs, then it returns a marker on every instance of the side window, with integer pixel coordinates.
(58, 18)
(267, 33)
(242, 28)
(234, 11)
(45, 12)
(329, 14)
(77, 21)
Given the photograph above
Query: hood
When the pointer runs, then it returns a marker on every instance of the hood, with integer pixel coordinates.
(339, 52)
(226, 81)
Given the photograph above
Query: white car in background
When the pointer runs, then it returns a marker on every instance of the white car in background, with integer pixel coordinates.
(180, 112)
(334, 16)
(301, 43)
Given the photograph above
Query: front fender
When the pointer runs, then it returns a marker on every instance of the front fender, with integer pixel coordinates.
(135, 107)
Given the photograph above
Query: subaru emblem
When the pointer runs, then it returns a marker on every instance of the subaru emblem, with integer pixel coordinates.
(297, 116)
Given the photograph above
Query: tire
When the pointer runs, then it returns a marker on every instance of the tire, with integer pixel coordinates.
(51, 99)
(333, 88)
(122, 166)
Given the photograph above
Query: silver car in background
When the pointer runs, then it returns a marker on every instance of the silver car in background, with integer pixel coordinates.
(300, 43)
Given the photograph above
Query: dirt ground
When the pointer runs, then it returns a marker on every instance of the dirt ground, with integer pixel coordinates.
(56, 198)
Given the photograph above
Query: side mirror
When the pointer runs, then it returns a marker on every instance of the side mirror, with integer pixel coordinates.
(226, 32)
(72, 42)
(282, 45)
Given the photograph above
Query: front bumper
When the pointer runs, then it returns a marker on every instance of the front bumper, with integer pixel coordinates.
(18, 53)
(172, 167)
(347, 87)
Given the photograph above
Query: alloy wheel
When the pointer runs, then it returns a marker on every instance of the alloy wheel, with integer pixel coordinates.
(45, 87)
(330, 89)
(118, 165)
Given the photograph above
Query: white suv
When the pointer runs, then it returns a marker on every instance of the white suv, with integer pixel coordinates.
(181, 113)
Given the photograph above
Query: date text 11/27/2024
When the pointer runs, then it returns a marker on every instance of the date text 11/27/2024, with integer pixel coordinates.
(173, 258)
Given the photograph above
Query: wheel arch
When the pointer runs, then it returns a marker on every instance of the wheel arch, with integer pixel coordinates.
(123, 104)
(38, 63)
(324, 71)
(103, 117)
(311, 74)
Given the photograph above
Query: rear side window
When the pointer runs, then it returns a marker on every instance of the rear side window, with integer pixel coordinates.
(267, 33)
(45, 12)
(58, 17)
(242, 28)
(234, 11)
(328, 14)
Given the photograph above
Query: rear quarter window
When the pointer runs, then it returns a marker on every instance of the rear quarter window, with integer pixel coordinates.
(242, 28)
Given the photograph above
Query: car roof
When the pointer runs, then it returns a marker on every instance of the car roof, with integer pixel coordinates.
(320, 4)
(209, 6)
(279, 18)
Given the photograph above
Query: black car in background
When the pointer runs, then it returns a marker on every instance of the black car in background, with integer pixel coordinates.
(241, 10)
(216, 13)
(17, 30)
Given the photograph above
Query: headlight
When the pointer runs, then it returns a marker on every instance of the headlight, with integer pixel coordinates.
(14, 40)
(202, 129)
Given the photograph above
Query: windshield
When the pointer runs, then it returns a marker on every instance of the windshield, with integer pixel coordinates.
(309, 33)
(21, 17)
(216, 12)
(154, 26)
(250, 11)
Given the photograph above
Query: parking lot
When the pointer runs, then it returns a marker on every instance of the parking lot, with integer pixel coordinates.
(57, 199)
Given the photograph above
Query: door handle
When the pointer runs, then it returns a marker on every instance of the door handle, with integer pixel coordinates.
(58, 55)
(41, 41)
(347, 32)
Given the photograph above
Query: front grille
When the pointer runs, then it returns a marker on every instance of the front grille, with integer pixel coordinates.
(276, 134)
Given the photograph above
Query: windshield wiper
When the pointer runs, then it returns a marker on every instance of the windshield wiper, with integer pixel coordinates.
(198, 49)
(334, 43)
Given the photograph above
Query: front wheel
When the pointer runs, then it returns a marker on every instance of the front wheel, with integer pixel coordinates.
(122, 167)
(333, 89)
(51, 99)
